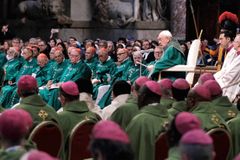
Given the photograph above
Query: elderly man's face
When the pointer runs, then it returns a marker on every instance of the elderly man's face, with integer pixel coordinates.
(74, 56)
(102, 56)
(158, 53)
(89, 54)
(137, 58)
(163, 40)
(121, 55)
(58, 56)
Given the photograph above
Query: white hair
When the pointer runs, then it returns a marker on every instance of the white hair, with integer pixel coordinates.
(165, 33)
(137, 53)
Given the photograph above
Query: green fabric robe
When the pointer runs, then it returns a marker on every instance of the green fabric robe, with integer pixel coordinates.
(38, 109)
(27, 68)
(54, 74)
(3, 58)
(145, 128)
(14, 154)
(172, 56)
(179, 106)
(174, 153)
(11, 69)
(124, 114)
(209, 117)
(235, 134)
(167, 102)
(133, 72)
(56, 70)
(72, 73)
(104, 73)
(225, 108)
(118, 75)
(92, 64)
(10, 96)
(41, 75)
(73, 113)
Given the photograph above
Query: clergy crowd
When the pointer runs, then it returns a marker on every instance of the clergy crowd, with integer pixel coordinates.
(118, 86)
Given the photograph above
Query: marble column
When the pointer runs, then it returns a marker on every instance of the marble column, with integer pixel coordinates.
(178, 18)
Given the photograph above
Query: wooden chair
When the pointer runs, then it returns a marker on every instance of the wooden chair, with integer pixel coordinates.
(48, 137)
(221, 142)
(161, 147)
(79, 140)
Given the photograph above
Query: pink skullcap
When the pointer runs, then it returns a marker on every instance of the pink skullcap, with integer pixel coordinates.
(166, 83)
(154, 87)
(213, 87)
(70, 88)
(78, 50)
(38, 155)
(106, 129)
(196, 136)
(181, 84)
(203, 92)
(141, 81)
(237, 157)
(204, 77)
(186, 121)
(27, 83)
(14, 124)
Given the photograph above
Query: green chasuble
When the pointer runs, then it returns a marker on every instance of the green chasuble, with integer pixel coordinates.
(73, 113)
(209, 117)
(54, 74)
(76, 71)
(92, 64)
(167, 102)
(179, 106)
(12, 153)
(38, 109)
(41, 75)
(104, 73)
(145, 128)
(172, 56)
(1, 77)
(124, 114)
(27, 68)
(56, 70)
(119, 74)
(11, 69)
(174, 153)
(225, 108)
(133, 72)
(121, 70)
(235, 134)
(72, 73)
(9, 93)
(3, 59)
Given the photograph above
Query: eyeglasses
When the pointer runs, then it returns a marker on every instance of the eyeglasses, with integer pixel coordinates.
(120, 53)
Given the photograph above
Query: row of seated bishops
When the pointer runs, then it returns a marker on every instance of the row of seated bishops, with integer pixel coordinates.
(102, 69)
(154, 113)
